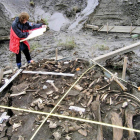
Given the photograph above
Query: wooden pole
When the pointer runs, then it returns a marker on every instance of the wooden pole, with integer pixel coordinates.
(124, 67)
(56, 53)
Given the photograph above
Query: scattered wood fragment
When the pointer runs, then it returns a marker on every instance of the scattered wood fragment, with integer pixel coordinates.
(120, 84)
(18, 94)
(103, 87)
(116, 120)
(78, 87)
(90, 100)
(124, 67)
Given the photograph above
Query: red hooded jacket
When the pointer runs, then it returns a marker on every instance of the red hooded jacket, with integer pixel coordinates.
(15, 42)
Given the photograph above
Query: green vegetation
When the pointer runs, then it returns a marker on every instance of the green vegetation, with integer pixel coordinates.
(103, 47)
(69, 44)
(44, 21)
(34, 45)
(32, 3)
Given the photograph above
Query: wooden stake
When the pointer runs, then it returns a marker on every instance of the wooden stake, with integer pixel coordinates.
(124, 67)
(1, 75)
(56, 53)
(101, 28)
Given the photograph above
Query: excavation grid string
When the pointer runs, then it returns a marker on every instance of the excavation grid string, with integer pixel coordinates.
(60, 102)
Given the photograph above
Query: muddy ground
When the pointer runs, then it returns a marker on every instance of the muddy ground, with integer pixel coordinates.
(72, 43)
(101, 97)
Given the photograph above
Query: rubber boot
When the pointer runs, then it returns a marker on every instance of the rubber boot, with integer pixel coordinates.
(19, 65)
(30, 61)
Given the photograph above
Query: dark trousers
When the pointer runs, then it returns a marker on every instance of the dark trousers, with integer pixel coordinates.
(26, 53)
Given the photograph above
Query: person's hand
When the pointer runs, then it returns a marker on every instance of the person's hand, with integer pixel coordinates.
(30, 32)
(44, 26)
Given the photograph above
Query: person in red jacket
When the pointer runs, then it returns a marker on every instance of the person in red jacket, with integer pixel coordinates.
(20, 29)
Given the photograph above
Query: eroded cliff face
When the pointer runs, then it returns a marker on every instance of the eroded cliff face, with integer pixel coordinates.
(45, 9)
(116, 12)
(5, 22)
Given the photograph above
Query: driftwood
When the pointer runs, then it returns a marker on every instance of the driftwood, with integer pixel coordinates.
(116, 120)
(91, 27)
(129, 117)
(96, 110)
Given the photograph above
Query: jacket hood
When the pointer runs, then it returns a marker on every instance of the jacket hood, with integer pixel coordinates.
(17, 19)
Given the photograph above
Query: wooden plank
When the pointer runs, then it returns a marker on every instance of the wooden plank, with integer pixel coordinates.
(117, 52)
(116, 120)
(10, 80)
(121, 29)
(129, 122)
(95, 106)
(4, 38)
(48, 73)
